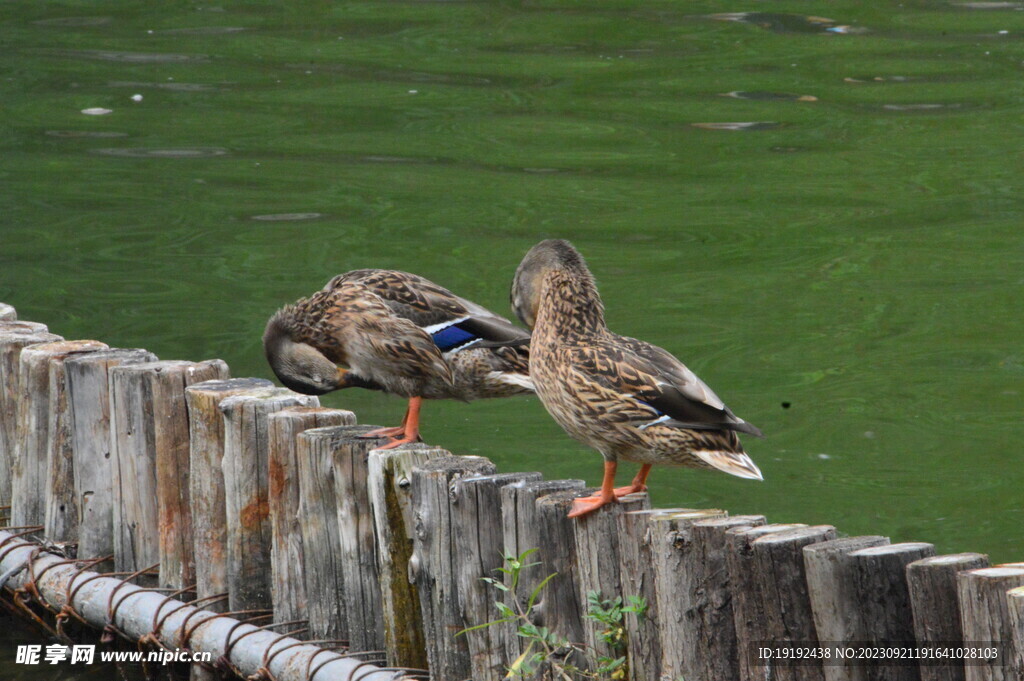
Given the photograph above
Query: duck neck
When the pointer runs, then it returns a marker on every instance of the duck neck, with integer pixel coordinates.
(570, 306)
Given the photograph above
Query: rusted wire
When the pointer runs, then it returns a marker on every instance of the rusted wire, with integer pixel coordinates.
(31, 584)
(153, 637)
(224, 663)
(110, 628)
(311, 674)
(68, 609)
(28, 529)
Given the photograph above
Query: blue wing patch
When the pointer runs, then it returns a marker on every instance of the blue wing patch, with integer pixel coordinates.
(452, 338)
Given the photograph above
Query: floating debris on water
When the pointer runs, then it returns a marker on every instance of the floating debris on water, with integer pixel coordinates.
(287, 217)
(769, 96)
(788, 23)
(97, 111)
(139, 152)
(738, 125)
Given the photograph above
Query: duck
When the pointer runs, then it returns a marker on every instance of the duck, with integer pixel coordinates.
(626, 398)
(399, 333)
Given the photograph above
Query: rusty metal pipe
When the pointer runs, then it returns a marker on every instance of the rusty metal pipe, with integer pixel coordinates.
(135, 608)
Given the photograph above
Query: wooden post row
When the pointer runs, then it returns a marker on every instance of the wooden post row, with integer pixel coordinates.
(88, 388)
(42, 482)
(246, 468)
(14, 337)
(389, 483)
(206, 481)
(150, 464)
(287, 555)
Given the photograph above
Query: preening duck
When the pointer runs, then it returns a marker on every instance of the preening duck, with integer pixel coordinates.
(399, 333)
(625, 398)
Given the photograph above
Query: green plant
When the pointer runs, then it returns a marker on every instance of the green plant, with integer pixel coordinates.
(544, 647)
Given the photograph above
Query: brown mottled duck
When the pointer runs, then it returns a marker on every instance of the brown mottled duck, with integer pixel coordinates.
(625, 398)
(401, 334)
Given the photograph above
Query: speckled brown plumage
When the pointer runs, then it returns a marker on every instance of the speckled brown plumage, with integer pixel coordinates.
(380, 329)
(626, 398)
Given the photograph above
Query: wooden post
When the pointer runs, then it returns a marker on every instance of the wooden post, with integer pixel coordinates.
(358, 549)
(597, 566)
(42, 483)
(7, 313)
(834, 598)
(476, 526)
(636, 547)
(769, 593)
(206, 481)
(246, 491)
(14, 337)
(936, 609)
(695, 617)
(321, 537)
(433, 560)
(562, 606)
(1015, 604)
(985, 617)
(150, 463)
(88, 386)
(389, 481)
(287, 559)
(521, 533)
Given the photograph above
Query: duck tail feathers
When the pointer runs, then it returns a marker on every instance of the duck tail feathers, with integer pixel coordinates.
(733, 463)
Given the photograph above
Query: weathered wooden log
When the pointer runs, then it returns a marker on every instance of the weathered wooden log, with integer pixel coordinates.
(434, 559)
(246, 467)
(62, 511)
(150, 463)
(1015, 605)
(769, 593)
(476, 526)
(287, 558)
(695, 619)
(985, 618)
(321, 537)
(255, 653)
(42, 481)
(88, 386)
(597, 566)
(8, 313)
(206, 481)
(14, 337)
(562, 607)
(522, 532)
(882, 599)
(936, 608)
(358, 550)
(389, 482)
(834, 598)
(637, 578)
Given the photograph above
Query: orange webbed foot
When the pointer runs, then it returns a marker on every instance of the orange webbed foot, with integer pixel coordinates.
(384, 432)
(398, 441)
(620, 492)
(585, 505)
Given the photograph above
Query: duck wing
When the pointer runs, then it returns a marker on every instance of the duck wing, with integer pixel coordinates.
(660, 387)
(453, 322)
(377, 343)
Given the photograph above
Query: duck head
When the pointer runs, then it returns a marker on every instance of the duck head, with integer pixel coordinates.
(548, 256)
(299, 366)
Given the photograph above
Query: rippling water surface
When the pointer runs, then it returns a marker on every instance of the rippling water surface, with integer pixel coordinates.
(817, 206)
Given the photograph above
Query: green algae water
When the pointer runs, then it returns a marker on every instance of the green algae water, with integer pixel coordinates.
(816, 206)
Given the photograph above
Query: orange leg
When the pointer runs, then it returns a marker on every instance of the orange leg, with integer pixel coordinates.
(639, 483)
(409, 431)
(585, 505)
